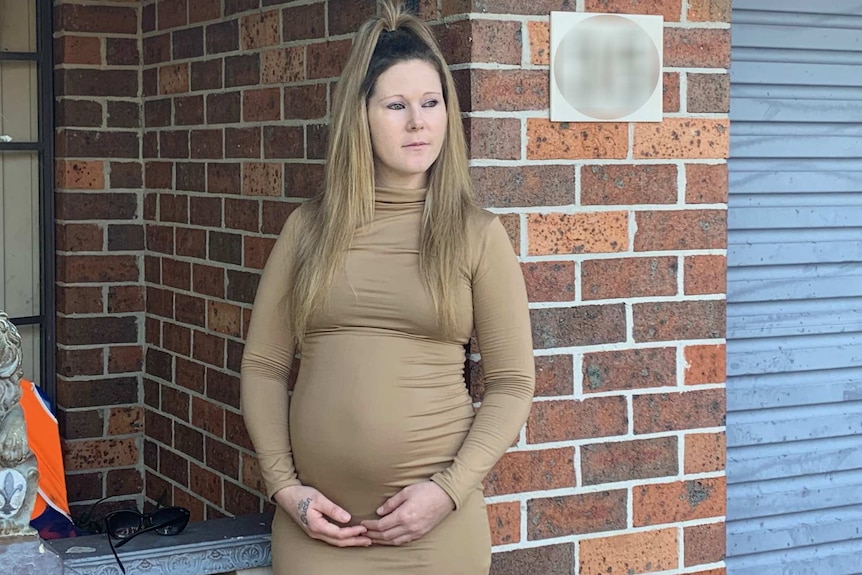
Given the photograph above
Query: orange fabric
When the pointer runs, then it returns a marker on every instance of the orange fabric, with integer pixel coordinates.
(44, 438)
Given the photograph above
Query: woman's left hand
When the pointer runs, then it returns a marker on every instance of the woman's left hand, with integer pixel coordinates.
(409, 514)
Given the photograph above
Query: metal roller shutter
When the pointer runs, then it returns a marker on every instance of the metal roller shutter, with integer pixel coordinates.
(795, 289)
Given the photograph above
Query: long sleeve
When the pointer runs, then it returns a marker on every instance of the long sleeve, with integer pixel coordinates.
(502, 324)
(266, 363)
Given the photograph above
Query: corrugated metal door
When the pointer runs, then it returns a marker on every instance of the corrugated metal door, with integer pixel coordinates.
(795, 289)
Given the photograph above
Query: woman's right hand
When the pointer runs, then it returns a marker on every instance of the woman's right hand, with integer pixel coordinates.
(312, 511)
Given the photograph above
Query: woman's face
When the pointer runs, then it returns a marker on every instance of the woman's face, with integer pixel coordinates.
(407, 120)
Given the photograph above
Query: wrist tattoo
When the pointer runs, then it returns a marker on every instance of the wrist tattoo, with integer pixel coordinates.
(302, 507)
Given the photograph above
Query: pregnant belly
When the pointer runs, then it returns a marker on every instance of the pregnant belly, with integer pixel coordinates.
(373, 414)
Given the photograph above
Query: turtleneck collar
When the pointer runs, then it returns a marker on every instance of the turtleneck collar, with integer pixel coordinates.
(386, 195)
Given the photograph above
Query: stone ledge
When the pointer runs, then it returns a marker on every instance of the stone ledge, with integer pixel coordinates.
(203, 548)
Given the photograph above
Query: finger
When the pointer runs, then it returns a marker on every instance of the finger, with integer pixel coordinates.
(388, 537)
(392, 503)
(352, 542)
(385, 524)
(324, 528)
(330, 509)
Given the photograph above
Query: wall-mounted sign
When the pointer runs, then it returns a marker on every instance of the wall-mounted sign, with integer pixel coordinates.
(606, 67)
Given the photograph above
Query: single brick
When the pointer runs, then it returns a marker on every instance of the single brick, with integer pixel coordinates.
(123, 115)
(582, 325)
(225, 318)
(95, 453)
(96, 19)
(208, 280)
(655, 413)
(78, 113)
(629, 369)
(78, 50)
(345, 16)
(495, 138)
(576, 514)
(306, 22)
(326, 59)
(93, 268)
(708, 93)
(206, 144)
(548, 560)
(679, 501)
(681, 230)
(208, 348)
(538, 8)
(670, 10)
(125, 420)
(628, 460)
(224, 388)
(487, 41)
(222, 37)
(175, 402)
(686, 138)
(704, 543)
(504, 520)
(709, 10)
(706, 183)
(125, 359)
(202, 10)
(205, 483)
(572, 141)
(80, 174)
(282, 142)
(172, 13)
(549, 281)
(232, 7)
(642, 552)
(96, 392)
(241, 214)
(628, 184)
(628, 277)
(540, 42)
(174, 79)
(189, 110)
(190, 375)
(174, 144)
(189, 441)
(520, 186)
(242, 142)
(697, 47)
(670, 92)
(261, 179)
(705, 275)
(260, 30)
(223, 178)
(95, 82)
(506, 90)
(256, 251)
(275, 213)
(177, 338)
(669, 321)
(205, 211)
(579, 233)
(177, 274)
(221, 457)
(705, 452)
(565, 420)
(243, 70)
(282, 65)
(305, 102)
(125, 299)
(261, 105)
(206, 74)
(225, 247)
(522, 471)
(122, 52)
(79, 299)
(208, 416)
(74, 362)
(554, 375)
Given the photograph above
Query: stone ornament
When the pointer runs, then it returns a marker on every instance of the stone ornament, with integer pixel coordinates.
(19, 476)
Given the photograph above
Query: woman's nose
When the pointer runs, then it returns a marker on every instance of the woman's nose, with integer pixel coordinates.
(417, 122)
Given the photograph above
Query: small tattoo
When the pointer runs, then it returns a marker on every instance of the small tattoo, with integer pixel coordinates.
(302, 506)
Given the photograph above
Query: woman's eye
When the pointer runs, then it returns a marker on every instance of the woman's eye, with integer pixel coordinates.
(396, 106)
(430, 103)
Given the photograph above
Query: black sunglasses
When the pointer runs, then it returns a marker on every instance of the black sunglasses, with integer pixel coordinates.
(127, 524)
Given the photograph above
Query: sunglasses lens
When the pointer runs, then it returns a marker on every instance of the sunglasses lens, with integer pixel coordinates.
(170, 520)
(123, 524)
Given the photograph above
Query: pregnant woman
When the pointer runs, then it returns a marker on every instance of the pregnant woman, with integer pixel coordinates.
(376, 461)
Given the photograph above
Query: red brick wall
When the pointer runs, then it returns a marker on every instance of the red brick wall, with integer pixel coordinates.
(621, 229)
(100, 239)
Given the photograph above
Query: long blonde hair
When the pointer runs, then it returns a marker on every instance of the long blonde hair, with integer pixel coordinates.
(347, 202)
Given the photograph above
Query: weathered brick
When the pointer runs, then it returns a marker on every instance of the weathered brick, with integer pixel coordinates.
(705, 275)
(208, 280)
(669, 321)
(706, 183)
(539, 7)
(495, 138)
(631, 553)
(708, 93)
(582, 325)
(670, 92)
(208, 416)
(236, 6)
(305, 102)
(125, 359)
(261, 179)
(679, 501)
(705, 452)
(223, 108)
(697, 47)
(549, 281)
(506, 90)
(95, 19)
(222, 37)
(670, 10)
(74, 362)
(256, 251)
(554, 375)
(519, 186)
(260, 30)
(125, 420)
(304, 22)
(96, 392)
(282, 65)
(628, 184)
(655, 413)
(687, 138)
(242, 142)
(522, 471)
(704, 544)
(681, 230)
(628, 460)
(174, 79)
(116, 144)
(223, 178)
(78, 50)
(172, 13)
(566, 420)
(102, 206)
(78, 299)
(564, 233)
(225, 247)
(576, 514)
(504, 519)
(225, 318)
(486, 41)
(326, 59)
(540, 42)
(261, 105)
(705, 364)
(125, 299)
(205, 483)
(242, 286)
(79, 174)
(709, 10)
(94, 453)
(563, 140)
(549, 560)
(628, 277)
(93, 268)
(629, 369)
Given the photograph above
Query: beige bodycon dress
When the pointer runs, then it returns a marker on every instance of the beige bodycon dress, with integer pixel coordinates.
(380, 400)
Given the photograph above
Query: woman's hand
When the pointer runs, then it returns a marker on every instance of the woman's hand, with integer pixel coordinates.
(409, 514)
(312, 511)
